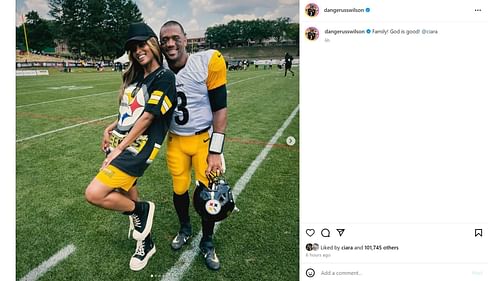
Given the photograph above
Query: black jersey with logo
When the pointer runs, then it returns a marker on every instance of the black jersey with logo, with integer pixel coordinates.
(157, 95)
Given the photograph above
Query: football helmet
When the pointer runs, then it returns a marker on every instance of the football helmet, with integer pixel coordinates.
(213, 203)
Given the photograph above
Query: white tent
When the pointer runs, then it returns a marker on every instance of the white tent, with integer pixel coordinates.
(123, 59)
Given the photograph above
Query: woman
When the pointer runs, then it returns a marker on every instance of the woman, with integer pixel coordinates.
(146, 102)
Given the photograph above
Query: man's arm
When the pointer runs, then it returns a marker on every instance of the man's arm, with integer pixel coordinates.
(220, 120)
(219, 125)
(217, 94)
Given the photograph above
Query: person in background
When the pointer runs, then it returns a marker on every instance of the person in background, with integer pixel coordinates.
(288, 64)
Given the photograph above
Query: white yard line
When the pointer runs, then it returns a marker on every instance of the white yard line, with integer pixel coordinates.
(65, 99)
(68, 88)
(92, 121)
(186, 259)
(65, 128)
(48, 264)
(85, 96)
(236, 82)
(53, 81)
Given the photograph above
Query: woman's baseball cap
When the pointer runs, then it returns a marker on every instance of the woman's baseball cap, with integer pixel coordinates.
(138, 32)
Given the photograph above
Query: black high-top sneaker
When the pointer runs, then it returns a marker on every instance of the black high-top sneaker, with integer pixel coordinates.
(143, 220)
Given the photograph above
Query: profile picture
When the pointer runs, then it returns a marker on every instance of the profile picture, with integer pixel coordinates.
(312, 33)
(312, 9)
(315, 247)
(309, 247)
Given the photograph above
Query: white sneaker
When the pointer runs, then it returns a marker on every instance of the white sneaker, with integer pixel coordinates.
(144, 250)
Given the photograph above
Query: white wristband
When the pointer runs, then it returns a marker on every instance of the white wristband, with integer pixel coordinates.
(216, 143)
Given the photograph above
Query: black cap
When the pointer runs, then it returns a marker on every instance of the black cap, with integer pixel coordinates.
(138, 32)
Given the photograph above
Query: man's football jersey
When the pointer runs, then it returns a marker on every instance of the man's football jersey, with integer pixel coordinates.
(156, 94)
(203, 71)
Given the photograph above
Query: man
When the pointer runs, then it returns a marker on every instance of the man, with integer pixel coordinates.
(202, 96)
(288, 63)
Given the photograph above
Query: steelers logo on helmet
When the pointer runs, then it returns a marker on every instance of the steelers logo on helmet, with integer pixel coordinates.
(213, 206)
(215, 203)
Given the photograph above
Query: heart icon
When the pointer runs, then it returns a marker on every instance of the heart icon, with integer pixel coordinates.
(310, 232)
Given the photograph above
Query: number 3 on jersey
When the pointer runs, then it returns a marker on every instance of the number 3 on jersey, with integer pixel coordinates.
(181, 106)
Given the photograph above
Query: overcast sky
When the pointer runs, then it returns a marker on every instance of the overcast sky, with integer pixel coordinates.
(195, 15)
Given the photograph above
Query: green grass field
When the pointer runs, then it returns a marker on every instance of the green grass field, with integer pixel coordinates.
(58, 133)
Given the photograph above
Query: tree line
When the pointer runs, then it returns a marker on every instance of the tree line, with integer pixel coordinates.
(239, 32)
(97, 28)
(91, 28)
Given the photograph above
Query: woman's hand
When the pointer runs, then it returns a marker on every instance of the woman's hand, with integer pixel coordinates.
(116, 151)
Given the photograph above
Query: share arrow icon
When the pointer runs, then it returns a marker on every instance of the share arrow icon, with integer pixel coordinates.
(340, 231)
